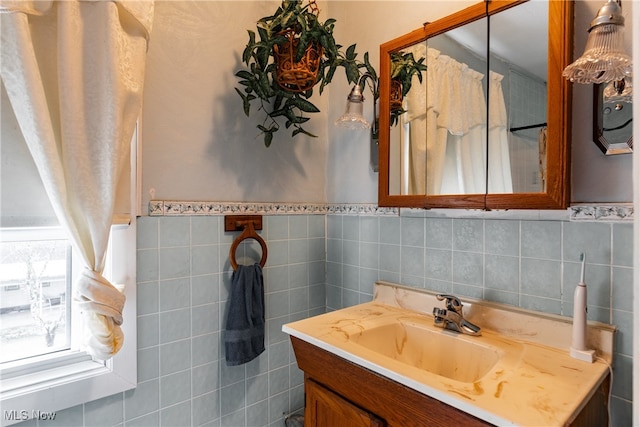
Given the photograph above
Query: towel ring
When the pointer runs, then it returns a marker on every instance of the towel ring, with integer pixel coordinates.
(248, 233)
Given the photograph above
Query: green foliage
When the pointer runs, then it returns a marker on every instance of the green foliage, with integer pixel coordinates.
(258, 78)
(369, 77)
(403, 67)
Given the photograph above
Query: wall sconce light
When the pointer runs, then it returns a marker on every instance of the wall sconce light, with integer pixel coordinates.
(604, 59)
(353, 119)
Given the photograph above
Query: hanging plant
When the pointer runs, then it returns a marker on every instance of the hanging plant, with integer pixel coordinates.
(292, 52)
(403, 67)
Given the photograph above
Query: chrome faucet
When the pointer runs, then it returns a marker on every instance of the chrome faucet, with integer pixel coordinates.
(451, 317)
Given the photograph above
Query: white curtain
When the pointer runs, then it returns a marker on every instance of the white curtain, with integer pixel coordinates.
(445, 130)
(74, 73)
(416, 122)
(499, 160)
(463, 123)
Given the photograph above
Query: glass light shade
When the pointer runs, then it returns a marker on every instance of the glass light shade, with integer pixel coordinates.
(353, 118)
(604, 59)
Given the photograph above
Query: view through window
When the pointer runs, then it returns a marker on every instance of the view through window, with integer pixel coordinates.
(35, 297)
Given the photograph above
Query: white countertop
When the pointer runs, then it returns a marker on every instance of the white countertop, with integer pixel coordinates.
(535, 382)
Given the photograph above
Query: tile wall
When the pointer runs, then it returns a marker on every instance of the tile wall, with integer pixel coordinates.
(184, 278)
(527, 106)
(531, 264)
(183, 283)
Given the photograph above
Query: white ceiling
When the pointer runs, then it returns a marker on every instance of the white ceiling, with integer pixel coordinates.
(518, 35)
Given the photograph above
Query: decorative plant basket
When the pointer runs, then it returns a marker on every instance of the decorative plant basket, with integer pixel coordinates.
(404, 67)
(396, 95)
(292, 75)
(290, 53)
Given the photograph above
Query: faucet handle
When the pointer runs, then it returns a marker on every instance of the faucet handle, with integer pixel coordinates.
(453, 302)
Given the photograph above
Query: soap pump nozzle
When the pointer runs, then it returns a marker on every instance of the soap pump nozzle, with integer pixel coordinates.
(578, 342)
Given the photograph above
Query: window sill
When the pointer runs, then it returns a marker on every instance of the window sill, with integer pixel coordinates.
(74, 379)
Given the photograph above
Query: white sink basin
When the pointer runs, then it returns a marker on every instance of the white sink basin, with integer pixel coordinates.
(438, 351)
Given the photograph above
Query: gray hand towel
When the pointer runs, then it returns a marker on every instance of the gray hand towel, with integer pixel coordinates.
(244, 335)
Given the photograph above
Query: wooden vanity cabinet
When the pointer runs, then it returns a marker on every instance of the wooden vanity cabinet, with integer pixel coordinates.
(335, 386)
(340, 393)
(325, 408)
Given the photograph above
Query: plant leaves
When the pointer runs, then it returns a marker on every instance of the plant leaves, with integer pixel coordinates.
(352, 72)
(244, 74)
(369, 67)
(304, 105)
(259, 79)
(300, 130)
(246, 54)
(303, 43)
(279, 112)
(296, 120)
(264, 35)
(351, 53)
(300, 120)
(268, 133)
(330, 73)
(265, 86)
(277, 102)
(246, 106)
(262, 56)
(268, 137)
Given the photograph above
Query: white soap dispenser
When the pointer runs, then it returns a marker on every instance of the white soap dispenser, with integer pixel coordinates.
(579, 340)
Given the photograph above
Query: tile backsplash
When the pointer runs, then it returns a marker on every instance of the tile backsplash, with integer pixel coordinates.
(526, 263)
(191, 285)
(328, 260)
(182, 288)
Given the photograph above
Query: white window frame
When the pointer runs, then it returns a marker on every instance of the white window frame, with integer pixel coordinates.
(54, 382)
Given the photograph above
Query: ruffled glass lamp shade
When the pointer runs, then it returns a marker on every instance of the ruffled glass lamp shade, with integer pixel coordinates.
(604, 59)
(353, 118)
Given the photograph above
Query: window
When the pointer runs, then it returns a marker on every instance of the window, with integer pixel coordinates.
(45, 378)
(35, 264)
(66, 377)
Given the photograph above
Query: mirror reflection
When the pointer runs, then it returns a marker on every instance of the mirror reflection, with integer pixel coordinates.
(518, 154)
(613, 117)
(441, 144)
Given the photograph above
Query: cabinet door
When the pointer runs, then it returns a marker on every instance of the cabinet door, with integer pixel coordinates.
(327, 409)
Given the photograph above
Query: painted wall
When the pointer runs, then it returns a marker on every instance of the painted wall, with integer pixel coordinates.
(199, 145)
(612, 182)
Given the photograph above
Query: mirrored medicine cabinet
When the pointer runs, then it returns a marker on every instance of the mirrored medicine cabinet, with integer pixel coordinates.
(488, 125)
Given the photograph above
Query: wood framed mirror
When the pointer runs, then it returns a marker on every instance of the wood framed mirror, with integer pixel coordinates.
(433, 156)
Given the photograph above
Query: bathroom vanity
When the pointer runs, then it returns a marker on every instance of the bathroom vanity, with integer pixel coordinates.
(384, 363)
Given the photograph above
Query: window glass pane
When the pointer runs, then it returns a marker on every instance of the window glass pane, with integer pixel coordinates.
(35, 292)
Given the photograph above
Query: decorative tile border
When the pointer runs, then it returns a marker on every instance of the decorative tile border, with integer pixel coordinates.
(613, 212)
(189, 208)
